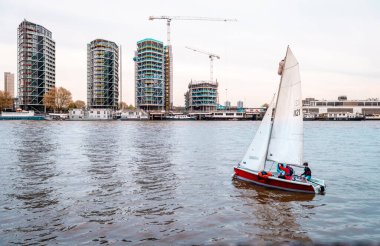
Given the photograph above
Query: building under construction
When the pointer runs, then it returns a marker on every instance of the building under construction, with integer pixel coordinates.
(168, 78)
(202, 96)
(102, 74)
(150, 75)
(35, 65)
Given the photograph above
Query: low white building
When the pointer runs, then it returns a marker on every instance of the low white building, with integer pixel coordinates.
(341, 105)
(90, 114)
(134, 115)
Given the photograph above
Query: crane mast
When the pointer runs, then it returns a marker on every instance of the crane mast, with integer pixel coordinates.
(211, 56)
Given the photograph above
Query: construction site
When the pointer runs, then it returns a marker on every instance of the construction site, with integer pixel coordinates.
(201, 96)
(151, 94)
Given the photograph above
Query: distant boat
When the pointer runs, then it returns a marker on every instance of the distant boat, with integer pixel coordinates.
(280, 140)
(372, 117)
(134, 115)
(340, 116)
(179, 117)
(20, 115)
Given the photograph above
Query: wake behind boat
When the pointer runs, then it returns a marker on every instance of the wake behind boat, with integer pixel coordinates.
(280, 140)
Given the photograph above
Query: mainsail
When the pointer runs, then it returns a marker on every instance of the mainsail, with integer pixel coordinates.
(286, 140)
(255, 157)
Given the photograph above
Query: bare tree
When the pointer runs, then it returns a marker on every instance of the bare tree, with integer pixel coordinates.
(80, 104)
(50, 99)
(5, 100)
(63, 99)
(131, 107)
(72, 105)
(123, 105)
(57, 99)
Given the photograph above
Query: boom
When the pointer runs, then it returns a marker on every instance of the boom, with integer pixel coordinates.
(211, 56)
(170, 18)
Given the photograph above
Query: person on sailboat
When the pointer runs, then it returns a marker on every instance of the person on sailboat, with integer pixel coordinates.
(288, 172)
(306, 171)
(281, 66)
(279, 171)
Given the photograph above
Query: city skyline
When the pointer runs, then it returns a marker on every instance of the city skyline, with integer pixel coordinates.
(336, 44)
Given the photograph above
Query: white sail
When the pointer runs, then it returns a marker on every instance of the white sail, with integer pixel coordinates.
(286, 141)
(255, 157)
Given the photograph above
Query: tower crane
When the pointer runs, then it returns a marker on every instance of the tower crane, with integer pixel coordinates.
(170, 18)
(211, 56)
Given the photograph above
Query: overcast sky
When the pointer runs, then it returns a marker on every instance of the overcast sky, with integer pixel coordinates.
(337, 43)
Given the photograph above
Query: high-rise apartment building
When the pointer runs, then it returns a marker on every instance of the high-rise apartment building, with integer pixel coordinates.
(35, 65)
(9, 83)
(102, 74)
(150, 75)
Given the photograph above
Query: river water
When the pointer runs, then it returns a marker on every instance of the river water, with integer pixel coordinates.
(162, 183)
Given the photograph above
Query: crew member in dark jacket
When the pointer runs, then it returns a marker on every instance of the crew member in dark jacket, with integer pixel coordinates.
(306, 171)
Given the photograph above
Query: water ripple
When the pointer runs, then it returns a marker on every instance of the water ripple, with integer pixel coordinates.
(161, 183)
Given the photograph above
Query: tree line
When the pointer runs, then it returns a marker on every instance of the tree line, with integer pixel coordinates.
(56, 100)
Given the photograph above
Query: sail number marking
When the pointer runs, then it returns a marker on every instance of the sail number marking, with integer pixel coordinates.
(297, 112)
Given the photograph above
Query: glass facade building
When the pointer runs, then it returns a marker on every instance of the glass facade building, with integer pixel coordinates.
(102, 74)
(35, 65)
(149, 75)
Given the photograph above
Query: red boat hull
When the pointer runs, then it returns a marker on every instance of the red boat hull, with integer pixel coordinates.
(273, 182)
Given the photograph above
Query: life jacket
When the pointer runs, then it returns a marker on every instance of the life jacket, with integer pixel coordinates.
(279, 169)
(264, 174)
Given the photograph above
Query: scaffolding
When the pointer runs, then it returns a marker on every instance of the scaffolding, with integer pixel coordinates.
(168, 78)
(202, 96)
(102, 74)
(149, 74)
(36, 65)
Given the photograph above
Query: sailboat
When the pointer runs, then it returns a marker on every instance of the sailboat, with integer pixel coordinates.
(279, 139)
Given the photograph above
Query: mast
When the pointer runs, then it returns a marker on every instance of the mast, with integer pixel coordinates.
(275, 107)
(121, 81)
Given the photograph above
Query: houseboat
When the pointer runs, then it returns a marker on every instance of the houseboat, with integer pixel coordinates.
(20, 115)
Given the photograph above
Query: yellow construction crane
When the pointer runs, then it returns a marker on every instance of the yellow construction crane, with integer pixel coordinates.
(170, 18)
(211, 56)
